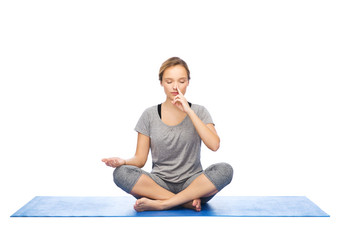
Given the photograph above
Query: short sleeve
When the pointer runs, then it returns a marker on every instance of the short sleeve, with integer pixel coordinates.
(143, 124)
(204, 115)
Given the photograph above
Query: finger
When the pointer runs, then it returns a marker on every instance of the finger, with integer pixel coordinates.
(179, 91)
(177, 98)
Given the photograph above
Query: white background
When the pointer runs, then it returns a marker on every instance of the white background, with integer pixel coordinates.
(76, 76)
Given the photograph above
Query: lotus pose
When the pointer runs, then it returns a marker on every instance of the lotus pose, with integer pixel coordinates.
(173, 131)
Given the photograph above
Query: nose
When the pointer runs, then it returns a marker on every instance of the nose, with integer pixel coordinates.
(175, 86)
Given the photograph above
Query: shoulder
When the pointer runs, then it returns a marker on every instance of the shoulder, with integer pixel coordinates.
(202, 113)
(150, 111)
(144, 121)
(198, 108)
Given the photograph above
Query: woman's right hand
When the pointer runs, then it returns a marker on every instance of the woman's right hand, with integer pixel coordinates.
(114, 162)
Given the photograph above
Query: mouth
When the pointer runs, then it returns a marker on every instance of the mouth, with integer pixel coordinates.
(174, 93)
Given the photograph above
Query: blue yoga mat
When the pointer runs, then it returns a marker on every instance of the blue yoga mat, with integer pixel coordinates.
(219, 206)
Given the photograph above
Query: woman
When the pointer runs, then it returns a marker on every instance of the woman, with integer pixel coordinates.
(173, 131)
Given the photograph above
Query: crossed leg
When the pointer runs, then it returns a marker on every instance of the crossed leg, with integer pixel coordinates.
(154, 197)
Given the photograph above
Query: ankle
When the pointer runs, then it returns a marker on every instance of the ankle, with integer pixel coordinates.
(165, 204)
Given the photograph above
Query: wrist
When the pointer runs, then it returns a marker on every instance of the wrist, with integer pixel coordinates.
(190, 112)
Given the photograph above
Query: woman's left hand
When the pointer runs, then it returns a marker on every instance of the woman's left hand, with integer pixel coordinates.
(181, 102)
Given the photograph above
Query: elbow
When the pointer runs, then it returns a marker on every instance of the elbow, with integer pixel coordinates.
(141, 165)
(215, 146)
(141, 162)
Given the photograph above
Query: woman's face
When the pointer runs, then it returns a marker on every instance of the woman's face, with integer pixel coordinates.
(174, 77)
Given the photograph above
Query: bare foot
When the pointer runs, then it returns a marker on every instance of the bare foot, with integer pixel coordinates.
(195, 205)
(145, 204)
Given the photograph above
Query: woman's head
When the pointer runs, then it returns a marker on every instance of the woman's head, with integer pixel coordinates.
(174, 74)
(174, 61)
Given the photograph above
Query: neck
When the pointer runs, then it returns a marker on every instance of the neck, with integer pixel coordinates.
(171, 107)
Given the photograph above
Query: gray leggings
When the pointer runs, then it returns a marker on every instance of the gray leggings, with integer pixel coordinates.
(220, 174)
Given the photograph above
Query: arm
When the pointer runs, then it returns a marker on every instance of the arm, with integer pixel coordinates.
(140, 157)
(207, 132)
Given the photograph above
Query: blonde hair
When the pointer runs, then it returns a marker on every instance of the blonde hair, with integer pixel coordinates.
(173, 62)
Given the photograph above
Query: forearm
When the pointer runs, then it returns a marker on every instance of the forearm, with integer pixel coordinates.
(209, 138)
(139, 159)
(135, 161)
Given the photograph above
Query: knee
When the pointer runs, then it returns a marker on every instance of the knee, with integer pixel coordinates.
(227, 172)
(220, 174)
(119, 174)
(125, 176)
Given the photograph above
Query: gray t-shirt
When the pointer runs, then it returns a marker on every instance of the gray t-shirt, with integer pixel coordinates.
(175, 149)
